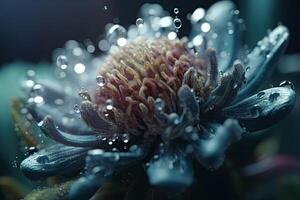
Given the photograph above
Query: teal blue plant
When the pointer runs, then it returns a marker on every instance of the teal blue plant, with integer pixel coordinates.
(159, 101)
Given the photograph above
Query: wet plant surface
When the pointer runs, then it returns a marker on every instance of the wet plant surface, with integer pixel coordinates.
(153, 116)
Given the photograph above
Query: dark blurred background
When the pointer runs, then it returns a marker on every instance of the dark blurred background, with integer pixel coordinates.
(30, 30)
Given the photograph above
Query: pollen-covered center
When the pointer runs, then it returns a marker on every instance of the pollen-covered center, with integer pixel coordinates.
(142, 71)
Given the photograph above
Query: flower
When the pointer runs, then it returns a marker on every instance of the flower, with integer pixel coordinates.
(157, 100)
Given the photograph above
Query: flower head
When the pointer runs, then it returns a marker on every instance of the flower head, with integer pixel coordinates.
(157, 100)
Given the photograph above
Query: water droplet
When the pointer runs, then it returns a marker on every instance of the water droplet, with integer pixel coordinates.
(260, 94)
(97, 169)
(76, 108)
(32, 150)
(84, 94)
(115, 34)
(139, 22)
(38, 99)
(15, 164)
(159, 104)
(172, 35)
(109, 104)
(198, 40)
(90, 48)
(116, 156)
(125, 138)
(40, 123)
(103, 45)
(273, 97)
(37, 90)
(255, 111)
(59, 102)
(121, 41)
(43, 159)
(30, 74)
(205, 27)
(177, 23)
(230, 28)
(79, 68)
(100, 80)
(96, 152)
(176, 11)
(155, 157)
(288, 84)
(62, 62)
(105, 7)
(197, 15)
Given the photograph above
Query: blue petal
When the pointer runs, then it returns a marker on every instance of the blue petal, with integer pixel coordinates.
(50, 130)
(65, 121)
(100, 165)
(224, 32)
(210, 151)
(91, 117)
(262, 59)
(54, 160)
(170, 171)
(263, 109)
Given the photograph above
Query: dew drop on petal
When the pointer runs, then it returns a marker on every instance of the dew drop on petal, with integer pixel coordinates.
(32, 150)
(109, 104)
(43, 159)
(255, 111)
(260, 94)
(76, 108)
(273, 97)
(159, 104)
(100, 80)
(288, 84)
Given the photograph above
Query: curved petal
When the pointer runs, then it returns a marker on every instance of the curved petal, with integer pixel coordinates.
(66, 122)
(224, 32)
(263, 109)
(227, 89)
(91, 117)
(100, 165)
(54, 160)
(50, 130)
(171, 171)
(210, 151)
(262, 59)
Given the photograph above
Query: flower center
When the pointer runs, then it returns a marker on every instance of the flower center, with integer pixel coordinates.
(139, 73)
